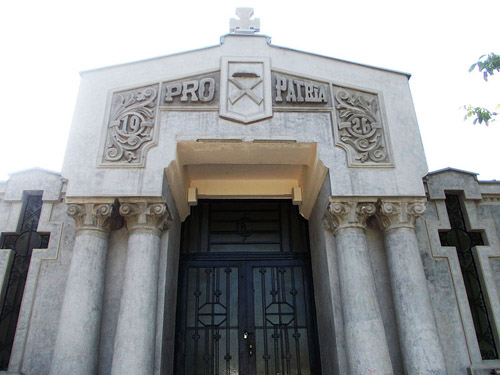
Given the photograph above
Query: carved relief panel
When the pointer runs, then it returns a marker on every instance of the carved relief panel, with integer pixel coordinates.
(360, 128)
(246, 91)
(131, 130)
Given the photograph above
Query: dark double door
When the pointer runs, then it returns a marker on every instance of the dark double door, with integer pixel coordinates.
(245, 310)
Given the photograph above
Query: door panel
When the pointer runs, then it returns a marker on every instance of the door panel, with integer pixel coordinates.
(211, 328)
(245, 298)
(281, 329)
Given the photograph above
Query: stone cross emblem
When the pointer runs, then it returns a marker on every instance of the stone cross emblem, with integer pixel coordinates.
(245, 88)
(244, 25)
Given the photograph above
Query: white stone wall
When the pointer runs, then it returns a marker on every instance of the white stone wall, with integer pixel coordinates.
(44, 290)
(449, 299)
(89, 127)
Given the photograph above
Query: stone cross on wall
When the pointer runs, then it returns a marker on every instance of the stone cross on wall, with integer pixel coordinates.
(244, 25)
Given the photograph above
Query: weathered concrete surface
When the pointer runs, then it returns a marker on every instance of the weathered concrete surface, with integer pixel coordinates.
(367, 349)
(77, 342)
(135, 335)
(420, 344)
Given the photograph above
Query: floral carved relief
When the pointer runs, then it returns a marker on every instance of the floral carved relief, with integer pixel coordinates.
(131, 126)
(359, 128)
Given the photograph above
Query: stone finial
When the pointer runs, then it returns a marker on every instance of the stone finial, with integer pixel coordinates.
(400, 214)
(244, 25)
(350, 214)
(91, 216)
(145, 215)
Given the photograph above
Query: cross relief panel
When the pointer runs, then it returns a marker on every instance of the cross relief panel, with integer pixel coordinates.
(246, 91)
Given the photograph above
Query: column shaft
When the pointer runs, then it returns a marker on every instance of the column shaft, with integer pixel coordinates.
(422, 353)
(134, 341)
(77, 340)
(417, 328)
(136, 330)
(366, 343)
(367, 348)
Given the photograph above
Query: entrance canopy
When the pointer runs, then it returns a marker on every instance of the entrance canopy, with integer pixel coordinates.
(232, 169)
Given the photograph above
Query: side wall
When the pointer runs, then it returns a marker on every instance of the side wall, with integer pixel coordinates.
(44, 290)
(481, 208)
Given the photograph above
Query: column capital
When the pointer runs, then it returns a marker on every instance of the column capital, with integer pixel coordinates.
(91, 216)
(400, 214)
(349, 214)
(144, 215)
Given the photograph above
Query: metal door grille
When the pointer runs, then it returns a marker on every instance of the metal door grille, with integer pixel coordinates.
(245, 298)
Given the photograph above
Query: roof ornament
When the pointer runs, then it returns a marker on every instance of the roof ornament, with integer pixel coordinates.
(244, 25)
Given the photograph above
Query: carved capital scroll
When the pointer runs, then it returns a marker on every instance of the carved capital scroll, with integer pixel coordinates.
(360, 129)
(145, 215)
(91, 216)
(400, 214)
(350, 214)
(131, 126)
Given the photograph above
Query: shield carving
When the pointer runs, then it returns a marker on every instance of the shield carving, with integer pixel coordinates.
(245, 90)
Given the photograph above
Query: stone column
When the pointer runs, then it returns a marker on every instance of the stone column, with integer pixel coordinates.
(366, 344)
(420, 345)
(135, 335)
(77, 340)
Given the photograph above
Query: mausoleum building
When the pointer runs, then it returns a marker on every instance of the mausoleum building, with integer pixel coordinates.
(248, 209)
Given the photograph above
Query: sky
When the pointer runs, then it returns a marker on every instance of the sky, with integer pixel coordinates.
(45, 44)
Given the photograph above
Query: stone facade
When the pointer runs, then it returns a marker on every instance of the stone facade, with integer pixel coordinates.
(246, 119)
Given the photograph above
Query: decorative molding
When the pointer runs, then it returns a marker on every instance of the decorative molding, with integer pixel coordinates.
(91, 216)
(131, 126)
(402, 214)
(144, 215)
(490, 200)
(349, 214)
(327, 221)
(360, 129)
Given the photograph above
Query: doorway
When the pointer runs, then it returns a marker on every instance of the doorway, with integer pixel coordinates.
(245, 301)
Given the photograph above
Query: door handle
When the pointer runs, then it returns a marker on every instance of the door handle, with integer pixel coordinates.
(246, 336)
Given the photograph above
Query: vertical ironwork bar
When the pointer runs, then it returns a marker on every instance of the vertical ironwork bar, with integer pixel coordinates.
(196, 317)
(228, 321)
(263, 271)
(295, 319)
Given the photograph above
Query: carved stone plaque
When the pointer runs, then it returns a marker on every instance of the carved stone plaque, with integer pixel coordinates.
(245, 92)
(360, 129)
(131, 126)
